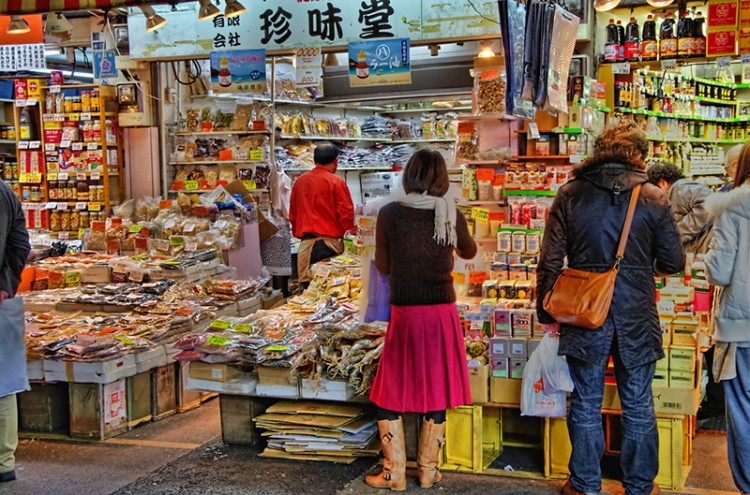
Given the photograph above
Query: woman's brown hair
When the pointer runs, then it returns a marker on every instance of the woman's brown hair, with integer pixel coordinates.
(426, 173)
(742, 174)
(623, 142)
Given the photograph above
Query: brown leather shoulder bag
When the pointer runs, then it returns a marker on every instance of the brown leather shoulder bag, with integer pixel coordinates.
(582, 299)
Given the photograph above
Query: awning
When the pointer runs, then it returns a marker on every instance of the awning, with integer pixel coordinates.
(8, 7)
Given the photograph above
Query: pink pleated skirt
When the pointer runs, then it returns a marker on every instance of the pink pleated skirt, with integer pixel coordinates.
(423, 365)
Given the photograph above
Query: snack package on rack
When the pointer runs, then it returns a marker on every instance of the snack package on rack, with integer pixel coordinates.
(146, 209)
(469, 184)
(467, 141)
(562, 45)
(489, 91)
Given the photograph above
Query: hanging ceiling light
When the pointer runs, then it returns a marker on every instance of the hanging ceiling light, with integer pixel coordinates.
(18, 25)
(57, 23)
(153, 20)
(486, 50)
(207, 10)
(605, 5)
(660, 3)
(234, 8)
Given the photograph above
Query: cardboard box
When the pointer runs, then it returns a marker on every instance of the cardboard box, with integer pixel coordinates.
(505, 390)
(278, 391)
(499, 347)
(667, 400)
(683, 333)
(516, 368)
(326, 389)
(98, 372)
(479, 384)
(213, 372)
(518, 349)
(274, 300)
(661, 379)
(680, 379)
(502, 323)
(242, 384)
(499, 367)
(281, 377)
(35, 369)
(266, 228)
(663, 364)
(682, 358)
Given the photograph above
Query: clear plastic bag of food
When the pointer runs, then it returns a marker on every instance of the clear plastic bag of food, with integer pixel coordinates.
(467, 141)
(489, 91)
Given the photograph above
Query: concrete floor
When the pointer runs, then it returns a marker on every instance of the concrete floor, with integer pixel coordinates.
(184, 455)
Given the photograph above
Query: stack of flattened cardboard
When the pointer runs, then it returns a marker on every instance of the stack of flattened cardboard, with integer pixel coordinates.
(318, 432)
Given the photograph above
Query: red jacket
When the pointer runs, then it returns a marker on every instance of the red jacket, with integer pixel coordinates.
(321, 204)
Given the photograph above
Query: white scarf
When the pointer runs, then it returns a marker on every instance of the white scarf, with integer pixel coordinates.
(445, 215)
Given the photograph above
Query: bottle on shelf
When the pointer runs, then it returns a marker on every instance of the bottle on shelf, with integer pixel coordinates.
(632, 41)
(620, 41)
(649, 48)
(699, 38)
(685, 35)
(667, 39)
(27, 125)
(611, 47)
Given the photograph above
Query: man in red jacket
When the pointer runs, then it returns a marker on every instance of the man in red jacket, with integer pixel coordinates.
(321, 211)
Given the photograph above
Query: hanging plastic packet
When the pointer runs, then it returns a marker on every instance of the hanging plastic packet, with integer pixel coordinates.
(547, 25)
(530, 52)
(515, 67)
(561, 52)
(489, 90)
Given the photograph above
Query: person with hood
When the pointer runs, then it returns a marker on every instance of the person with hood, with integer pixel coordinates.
(728, 267)
(687, 198)
(584, 226)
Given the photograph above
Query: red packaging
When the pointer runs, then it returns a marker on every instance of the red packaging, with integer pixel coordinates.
(52, 136)
(527, 213)
(515, 213)
(722, 14)
(20, 90)
(721, 43)
(56, 78)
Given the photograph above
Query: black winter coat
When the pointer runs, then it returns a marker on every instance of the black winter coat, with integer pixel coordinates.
(584, 225)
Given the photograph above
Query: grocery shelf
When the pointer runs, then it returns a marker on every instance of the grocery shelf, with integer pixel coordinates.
(479, 203)
(7, 141)
(478, 162)
(220, 133)
(485, 240)
(382, 168)
(416, 141)
(420, 110)
(697, 140)
(682, 117)
(742, 86)
(337, 138)
(541, 157)
(716, 101)
(520, 229)
(529, 192)
(220, 162)
(201, 191)
(489, 117)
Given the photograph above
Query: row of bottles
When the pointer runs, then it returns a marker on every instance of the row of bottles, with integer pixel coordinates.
(72, 220)
(627, 44)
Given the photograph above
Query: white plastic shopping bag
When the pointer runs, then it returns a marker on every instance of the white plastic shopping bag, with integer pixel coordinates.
(13, 375)
(555, 369)
(535, 401)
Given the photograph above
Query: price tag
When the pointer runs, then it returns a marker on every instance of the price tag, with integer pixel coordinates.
(31, 102)
(249, 184)
(189, 227)
(30, 178)
(65, 144)
(72, 278)
(165, 204)
(81, 233)
(136, 276)
(621, 68)
(96, 175)
(466, 127)
(191, 185)
(218, 340)
(77, 146)
(20, 103)
(85, 116)
(242, 328)
(480, 214)
(459, 278)
(135, 229)
(485, 174)
(221, 324)
(256, 154)
(534, 130)
(74, 116)
(161, 245)
(62, 206)
(35, 145)
(63, 176)
(746, 58)
(92, 146)
(576, 159)
(51, 206)
(176, 240)
(23, 145)
(221, 224)
(49, 147)
(498, 216)
(277, 348)
(95, 207)
(668, 64)
(191, 247)
(80, 176)
(125, 340)
(52, 176)
(723, 62)
(81, 205)
(63, 235)
(477, 278)
(54, 88)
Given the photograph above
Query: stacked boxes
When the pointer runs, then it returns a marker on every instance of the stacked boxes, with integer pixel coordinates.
(513, 342)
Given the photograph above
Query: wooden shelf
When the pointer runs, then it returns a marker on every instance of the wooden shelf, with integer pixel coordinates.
(203, 191)
(480, 203)
(423, 110)
(221, 162)
(484, 118)
(217, 133)
(479, 162)
(541, 157)
(485, 240)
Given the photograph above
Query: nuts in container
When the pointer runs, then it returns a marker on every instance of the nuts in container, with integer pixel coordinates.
(489, 87)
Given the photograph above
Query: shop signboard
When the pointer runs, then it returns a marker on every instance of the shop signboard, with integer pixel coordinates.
(238, 71)
(381, 62)
(308, 68)
(283, 25)
(104, 64)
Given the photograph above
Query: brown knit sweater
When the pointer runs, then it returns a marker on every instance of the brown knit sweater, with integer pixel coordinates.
(420, 270)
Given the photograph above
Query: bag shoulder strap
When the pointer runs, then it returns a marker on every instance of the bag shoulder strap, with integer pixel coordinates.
(628, 223)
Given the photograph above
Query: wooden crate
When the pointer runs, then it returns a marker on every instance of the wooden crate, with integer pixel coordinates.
(138, 392)
(164, 386)
(237, 413)
(473, 438)
(44, 409)
(97, 411)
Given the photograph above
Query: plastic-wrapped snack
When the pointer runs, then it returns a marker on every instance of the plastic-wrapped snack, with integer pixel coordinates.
(469, 184)
(467, 141)
(262, 176)
(94, 241)
(489, 90)
(223, 120)
(241, 119)
(429, 126)
(227, 173)
(192, 119)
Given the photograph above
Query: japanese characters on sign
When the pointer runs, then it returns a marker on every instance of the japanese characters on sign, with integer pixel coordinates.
(380, 62)
(308, 68)
(238, 71)
(22, 57)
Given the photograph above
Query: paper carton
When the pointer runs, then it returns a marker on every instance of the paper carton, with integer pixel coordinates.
(479, 384)
(505, 391)
(213, 372)
(266, 228)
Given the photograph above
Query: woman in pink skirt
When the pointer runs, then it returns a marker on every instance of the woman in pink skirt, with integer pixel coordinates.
(423, 366)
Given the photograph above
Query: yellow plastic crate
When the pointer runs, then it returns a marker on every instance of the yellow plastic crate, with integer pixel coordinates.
(473, 438)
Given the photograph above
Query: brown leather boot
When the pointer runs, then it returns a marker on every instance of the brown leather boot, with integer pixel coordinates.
(431, 440)
(569, 489)
(393, 444)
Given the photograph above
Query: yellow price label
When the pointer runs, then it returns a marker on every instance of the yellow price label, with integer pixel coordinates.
(459, 278)
(242, 328)
(125, 340)
(480, 214)
(191, 185)
(250, 184)
(52, 176)
(221, 324)
(74, 116)
(134, 229)
(72, 278)
(176, 240)
(30, 178)
(218, 340)
(81, 233)
(95, 207)
(256, 154)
